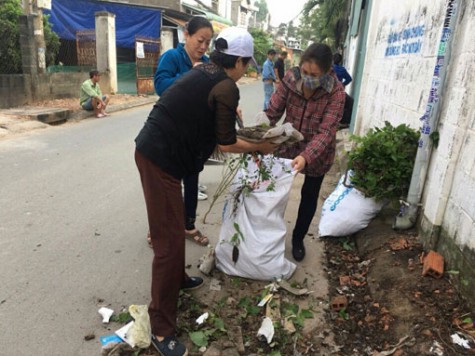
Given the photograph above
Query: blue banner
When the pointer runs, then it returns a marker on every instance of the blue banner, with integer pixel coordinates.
(69, 16)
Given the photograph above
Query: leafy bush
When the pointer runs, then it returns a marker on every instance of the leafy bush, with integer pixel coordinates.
(10, 53)
(383, 160)
(10, 57)
(51, 40)
(262, 43)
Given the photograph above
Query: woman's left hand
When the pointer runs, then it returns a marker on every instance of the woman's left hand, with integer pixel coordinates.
(298, 163)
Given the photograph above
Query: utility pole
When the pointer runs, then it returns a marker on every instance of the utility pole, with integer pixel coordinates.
(32, 38)
(27, 7)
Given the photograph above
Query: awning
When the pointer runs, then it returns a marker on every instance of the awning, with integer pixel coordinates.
(178, 22)
(219, 23)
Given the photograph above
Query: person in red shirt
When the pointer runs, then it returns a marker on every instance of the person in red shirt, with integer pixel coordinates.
(313, 99)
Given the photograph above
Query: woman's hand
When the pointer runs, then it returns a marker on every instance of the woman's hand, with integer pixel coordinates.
(298, 163)
(267, 147)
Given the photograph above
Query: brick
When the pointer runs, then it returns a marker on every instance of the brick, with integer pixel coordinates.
(433, 265)
(345, 280)
(339, 302)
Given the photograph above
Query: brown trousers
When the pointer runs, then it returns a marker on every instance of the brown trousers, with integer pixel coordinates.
(167, 225)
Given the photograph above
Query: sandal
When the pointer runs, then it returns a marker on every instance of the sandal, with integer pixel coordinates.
(197, 237)
(149, 239)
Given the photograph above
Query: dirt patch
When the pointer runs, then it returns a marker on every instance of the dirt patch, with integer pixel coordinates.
(392, 309)
(391, 306)
(73, 103)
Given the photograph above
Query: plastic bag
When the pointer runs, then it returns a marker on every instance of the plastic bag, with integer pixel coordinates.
(346, 211)
(140, 333)
(282, 133)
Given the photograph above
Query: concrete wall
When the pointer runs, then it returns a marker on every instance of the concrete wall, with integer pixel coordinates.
(402, 47)
(17, 90)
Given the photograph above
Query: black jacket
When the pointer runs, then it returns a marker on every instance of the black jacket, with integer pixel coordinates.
(179, 134)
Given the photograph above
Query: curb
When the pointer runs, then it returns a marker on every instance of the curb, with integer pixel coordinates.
(83, 114)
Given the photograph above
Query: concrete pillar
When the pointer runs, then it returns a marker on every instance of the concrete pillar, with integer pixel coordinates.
(166, 39)
(32, 43)
(40, 43)
(28, 45)
(106, 47)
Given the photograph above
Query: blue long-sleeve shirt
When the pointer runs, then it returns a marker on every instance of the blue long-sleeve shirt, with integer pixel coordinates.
(342, 74)
(171, 65)
(268, 71)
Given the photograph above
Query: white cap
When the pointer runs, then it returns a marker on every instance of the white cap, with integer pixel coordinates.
(240, 42)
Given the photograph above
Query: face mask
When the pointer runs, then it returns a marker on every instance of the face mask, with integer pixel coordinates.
(311, 82)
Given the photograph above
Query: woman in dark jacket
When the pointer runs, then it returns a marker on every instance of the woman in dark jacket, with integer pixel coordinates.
(181, 132)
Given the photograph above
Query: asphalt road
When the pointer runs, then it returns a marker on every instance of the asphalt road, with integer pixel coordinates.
(72, 230)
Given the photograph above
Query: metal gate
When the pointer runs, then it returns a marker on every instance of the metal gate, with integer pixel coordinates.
(86, 48)
(147, 52)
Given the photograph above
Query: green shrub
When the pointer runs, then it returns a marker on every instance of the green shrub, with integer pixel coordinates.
(383, 160)
(10, 57)
(10, 53)
(51, 40)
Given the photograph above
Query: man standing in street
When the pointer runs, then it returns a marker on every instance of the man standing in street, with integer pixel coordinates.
(91, 97)
(279, 66)
(268, 77)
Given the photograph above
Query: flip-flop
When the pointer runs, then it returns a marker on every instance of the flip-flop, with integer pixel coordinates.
(197, 237)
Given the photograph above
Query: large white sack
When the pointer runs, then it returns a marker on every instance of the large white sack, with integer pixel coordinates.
(260, 216)
(346, 211)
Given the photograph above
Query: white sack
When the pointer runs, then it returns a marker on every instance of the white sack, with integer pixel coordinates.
(346, 211)
(260, 216)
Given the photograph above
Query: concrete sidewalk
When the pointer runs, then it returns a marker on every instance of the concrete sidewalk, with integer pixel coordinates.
(26, 118)
(30, 117)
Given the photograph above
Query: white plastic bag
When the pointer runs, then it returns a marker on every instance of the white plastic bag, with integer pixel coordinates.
(260, 218)
(140, 333)
(346, 211)
(280, 133)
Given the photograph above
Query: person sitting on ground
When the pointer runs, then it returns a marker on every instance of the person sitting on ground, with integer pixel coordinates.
(91, 97)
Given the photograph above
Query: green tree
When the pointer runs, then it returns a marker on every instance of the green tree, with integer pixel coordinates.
(263, 10)
(10, 57)
(325, 21)
(262, 43)
(282, 30)
(291, 30)
(10, 54)
(51, 40)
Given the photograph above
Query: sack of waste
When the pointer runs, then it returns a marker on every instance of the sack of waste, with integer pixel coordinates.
(347, 210)
(252, 237)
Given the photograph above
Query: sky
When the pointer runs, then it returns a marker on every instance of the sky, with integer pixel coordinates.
(284, 10)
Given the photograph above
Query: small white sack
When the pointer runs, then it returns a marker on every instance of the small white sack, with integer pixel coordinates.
(346, 211)
(260, 216)
(140, 332)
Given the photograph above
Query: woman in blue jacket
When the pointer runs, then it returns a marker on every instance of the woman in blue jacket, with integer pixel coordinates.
(171, 66)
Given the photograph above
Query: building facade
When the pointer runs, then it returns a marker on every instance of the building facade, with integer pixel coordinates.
(413, 62)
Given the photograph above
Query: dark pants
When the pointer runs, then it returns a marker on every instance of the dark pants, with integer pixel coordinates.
(190, 184)
(166, 222)
(347, 111)
(308, 206)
